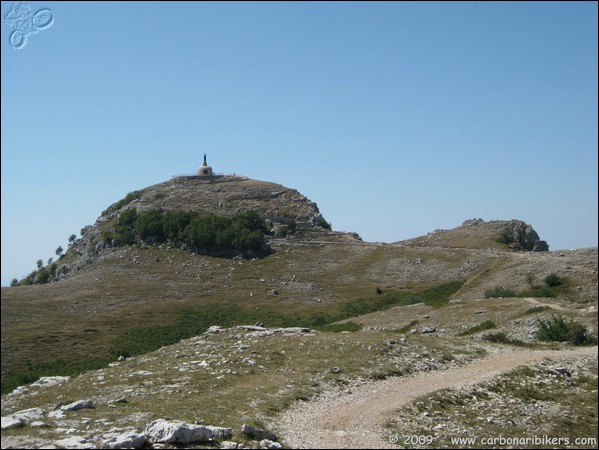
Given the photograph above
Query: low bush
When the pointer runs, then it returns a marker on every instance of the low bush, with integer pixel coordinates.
(559, 329)
(209, 234)
(553, 280)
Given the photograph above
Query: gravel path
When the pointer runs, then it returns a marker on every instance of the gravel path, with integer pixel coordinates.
(355, 419)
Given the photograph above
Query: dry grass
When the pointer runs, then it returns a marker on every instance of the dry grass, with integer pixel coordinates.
(169, 383)
(78, 319)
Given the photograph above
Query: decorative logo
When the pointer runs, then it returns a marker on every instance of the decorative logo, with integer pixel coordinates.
(25, 23)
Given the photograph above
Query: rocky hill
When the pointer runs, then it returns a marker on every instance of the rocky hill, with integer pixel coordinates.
(286, 212)
(477, 233)
(168, 340)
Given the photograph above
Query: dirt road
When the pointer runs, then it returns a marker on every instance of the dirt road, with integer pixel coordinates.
(356, 419)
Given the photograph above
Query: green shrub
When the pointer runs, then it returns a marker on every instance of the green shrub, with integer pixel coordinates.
(149, 226)
(500, 291)
(124, 232)
(579, 335)
(539, 292)
(206, 234)
(553, 280)
(561, 330)
(125, 201)
(291, 226)
(555, 329)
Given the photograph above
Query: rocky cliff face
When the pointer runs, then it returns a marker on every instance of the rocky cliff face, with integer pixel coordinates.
(521, 236)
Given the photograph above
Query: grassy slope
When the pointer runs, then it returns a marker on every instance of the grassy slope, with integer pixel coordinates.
(115, 295)
(78, 319)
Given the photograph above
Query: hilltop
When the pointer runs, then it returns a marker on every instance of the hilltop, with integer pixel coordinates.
(477, 233)
(405, 307)
(285, 212)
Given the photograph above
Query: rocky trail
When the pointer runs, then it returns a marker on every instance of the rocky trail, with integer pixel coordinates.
(355, 418)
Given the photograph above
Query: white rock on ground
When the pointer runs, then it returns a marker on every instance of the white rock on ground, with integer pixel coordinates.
(180, 432)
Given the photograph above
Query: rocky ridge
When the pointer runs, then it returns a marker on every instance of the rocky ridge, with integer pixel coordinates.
(477, 233)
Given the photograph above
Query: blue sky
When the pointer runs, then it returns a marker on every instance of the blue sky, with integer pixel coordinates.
(395, 118)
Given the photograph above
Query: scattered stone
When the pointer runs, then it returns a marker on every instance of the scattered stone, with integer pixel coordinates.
(75, 442)
(250, 327)
(267, 443)
(429, 330)
(50, 381)
(127, 440)
(57, 414)
(562, 371)
(29, 415)
(214, 329)
(11, 422)
(257, 434)
(79, 404)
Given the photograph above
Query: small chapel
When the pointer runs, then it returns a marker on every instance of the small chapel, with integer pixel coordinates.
(205, 170)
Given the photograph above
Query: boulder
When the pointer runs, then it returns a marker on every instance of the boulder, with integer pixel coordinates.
(521, 236)
(74, 442)
(29, 415)
(79, 404)
(11, 422)
(126, 440)
(562, 371)
(214, 329)
(50, 381)
(179, 432)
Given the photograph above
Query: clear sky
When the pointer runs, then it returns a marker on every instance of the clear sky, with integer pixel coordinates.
(395, 118)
